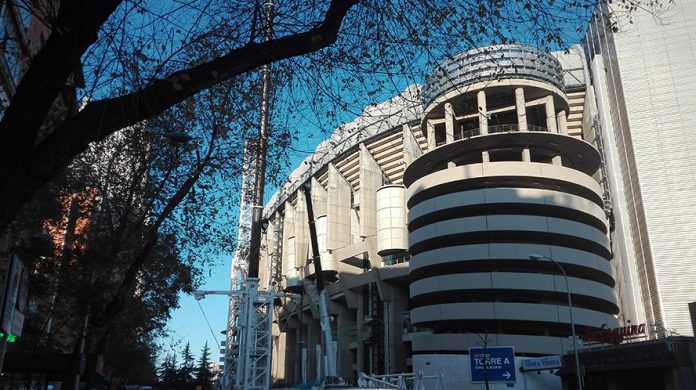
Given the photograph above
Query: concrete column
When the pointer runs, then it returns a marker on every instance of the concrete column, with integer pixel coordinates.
(449, 128)
(561, 121)
(412, 149)
(526, 155)
(388, 350)
(485, 157)
(483, 112)
(449, 123)
(370, 181)
(297, 363)
(360, 346)
(430, 128)
(556, 160)
(550, 115)
(520, 105)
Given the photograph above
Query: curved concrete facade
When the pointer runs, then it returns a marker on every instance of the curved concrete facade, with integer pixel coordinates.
(502, 180)
(426, 220)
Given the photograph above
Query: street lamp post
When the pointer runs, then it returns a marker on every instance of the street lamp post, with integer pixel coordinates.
(570, 311)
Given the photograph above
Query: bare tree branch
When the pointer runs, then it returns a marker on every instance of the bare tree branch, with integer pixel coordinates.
(114, 306)
(32, 169)
(74, 30)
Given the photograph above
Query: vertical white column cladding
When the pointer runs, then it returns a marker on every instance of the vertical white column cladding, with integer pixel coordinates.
(562, 124)
(631, 297)
(411, 148)
(319, 200)
(431, 134)
(392, 235)
(521, 108)
(370, 181)
(482, 111)
(301, 231)
(550, 114)
(292, 276)
(338, 233)
(449, 123)
(318, 197)
(327, 260)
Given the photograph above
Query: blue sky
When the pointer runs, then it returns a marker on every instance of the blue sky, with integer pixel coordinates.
(188, 322)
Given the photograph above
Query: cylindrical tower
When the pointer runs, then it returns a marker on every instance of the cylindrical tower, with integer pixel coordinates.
(328, 265)
(501, 181)
(392, 236)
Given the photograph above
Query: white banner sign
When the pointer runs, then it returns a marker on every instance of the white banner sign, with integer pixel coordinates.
(543, 363)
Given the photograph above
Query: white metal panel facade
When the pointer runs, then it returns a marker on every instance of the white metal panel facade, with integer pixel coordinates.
(655, 60)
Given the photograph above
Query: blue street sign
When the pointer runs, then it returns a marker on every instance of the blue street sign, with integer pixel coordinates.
(495, 363)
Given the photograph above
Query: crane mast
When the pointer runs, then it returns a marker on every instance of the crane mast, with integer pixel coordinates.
(250, 319)
(324, 319)
(250, 316)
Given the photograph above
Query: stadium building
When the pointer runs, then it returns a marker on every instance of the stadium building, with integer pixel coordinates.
(447, 217)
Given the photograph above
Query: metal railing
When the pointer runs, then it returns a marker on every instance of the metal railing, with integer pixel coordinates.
(466, 134)
(492, 129)
(503, 128)
(405, 381)
(514, 127)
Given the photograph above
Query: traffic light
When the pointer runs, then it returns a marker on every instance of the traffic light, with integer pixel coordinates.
(10, 337)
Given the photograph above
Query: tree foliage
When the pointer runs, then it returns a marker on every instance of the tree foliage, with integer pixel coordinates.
(168, 373)
(109, 217)
(134, 60)
(188, 374)
(204, 377)
(187, 369)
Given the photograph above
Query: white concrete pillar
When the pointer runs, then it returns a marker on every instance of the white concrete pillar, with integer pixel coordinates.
(485, 157)
(561, 121)
(550, 115)
(526, 155)
(556, 160)
(449, 123)
(483, 113)
(520, 105)
(430, 128)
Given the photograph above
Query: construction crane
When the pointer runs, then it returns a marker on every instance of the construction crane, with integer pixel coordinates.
(250, 317)
(331, 376)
